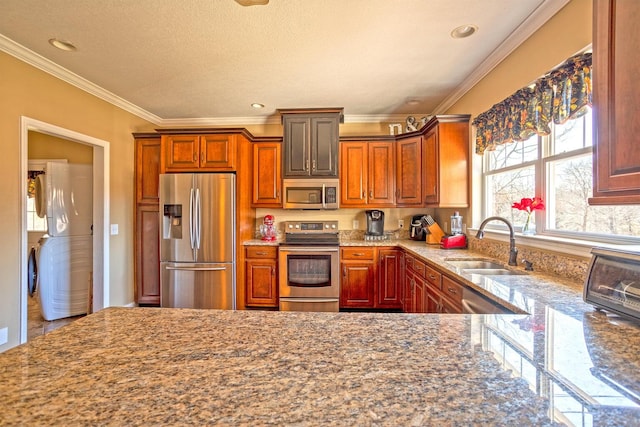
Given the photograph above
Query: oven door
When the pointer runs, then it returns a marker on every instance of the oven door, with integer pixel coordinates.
(309, 272)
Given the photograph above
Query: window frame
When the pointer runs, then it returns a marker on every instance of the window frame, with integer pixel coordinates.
(543, 182)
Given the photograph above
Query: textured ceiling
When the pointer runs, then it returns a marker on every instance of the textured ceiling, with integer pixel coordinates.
(206, 61)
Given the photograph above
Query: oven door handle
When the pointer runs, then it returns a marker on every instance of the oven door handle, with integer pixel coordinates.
(310, 300)
(308, 249)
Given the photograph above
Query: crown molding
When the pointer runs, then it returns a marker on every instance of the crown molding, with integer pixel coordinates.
(534, 21)
(32, 58)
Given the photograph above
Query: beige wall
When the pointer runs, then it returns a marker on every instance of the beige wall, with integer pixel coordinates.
(564, 35)
(29, 92)
(42, 146)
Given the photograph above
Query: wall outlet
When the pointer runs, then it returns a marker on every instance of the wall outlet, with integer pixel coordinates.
(4, 335)
(401, 223)
(356, 224)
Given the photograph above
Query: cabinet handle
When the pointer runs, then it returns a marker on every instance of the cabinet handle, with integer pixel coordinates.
(195, 157)
(344, 271)
(313, 165)
(432, 277)
(261, 253)
(202, 157)
(358, 254)
(306, 167)
(451, 290)
(277, 194)
(370, 194)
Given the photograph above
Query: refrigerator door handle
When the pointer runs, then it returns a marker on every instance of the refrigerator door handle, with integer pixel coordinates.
(196, 268)
(198, 216)
(191, 234)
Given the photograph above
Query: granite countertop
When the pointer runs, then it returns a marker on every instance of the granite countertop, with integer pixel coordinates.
(562, 363)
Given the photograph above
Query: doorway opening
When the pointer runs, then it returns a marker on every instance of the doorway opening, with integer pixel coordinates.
(100, 291)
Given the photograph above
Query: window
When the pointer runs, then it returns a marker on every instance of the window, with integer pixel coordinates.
(557, 168)
(34, 222)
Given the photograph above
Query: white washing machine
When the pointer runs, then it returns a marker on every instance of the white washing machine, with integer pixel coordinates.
(63, 258)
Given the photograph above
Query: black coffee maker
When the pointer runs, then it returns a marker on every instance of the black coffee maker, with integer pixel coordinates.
(375, 222)
(417, 230)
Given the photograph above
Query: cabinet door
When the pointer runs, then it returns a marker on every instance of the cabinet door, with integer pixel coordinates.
(180, 153)
(431, 167)
(261, 284)
(381, 174)
(357, 285)
(388, 290)
(324, 146)
(432, 300)
(267, 180)
(407, 297)
(217, 152)
(616, 102)
(147, 170)
(409, 172)
(147, 262)
(353, 174)
(419, 297)
(296, 146)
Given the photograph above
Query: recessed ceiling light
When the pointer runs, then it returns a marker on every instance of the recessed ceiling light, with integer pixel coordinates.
(252, 2)
(413, 102)
(257, 105)
(62, 45)
(463, 31)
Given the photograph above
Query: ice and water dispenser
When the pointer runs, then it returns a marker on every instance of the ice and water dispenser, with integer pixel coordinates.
(172, 222)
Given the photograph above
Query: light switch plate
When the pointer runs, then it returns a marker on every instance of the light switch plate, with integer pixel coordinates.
(4, 335)
(114, 229)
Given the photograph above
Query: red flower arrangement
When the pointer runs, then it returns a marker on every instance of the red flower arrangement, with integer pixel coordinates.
(529, 205)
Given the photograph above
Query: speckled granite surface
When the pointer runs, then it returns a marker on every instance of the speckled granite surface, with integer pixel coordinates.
(563, 363)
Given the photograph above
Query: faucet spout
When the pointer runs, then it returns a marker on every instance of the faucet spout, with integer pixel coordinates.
(513, 251)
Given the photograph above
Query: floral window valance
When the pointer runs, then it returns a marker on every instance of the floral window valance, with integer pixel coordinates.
(560, 95)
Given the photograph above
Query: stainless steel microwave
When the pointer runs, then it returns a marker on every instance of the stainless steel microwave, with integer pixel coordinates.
(311, 193)
(613, 282)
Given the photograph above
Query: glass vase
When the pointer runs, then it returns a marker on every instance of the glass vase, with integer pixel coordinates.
(529, 228)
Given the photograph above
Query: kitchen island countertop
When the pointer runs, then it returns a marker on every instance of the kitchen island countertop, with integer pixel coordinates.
(562, 363)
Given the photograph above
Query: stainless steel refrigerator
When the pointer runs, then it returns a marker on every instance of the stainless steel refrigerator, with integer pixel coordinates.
(197, 240)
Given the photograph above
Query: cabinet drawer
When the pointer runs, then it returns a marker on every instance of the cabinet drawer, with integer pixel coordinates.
(419, 267)
(262, 252)
(358, 253)
(433, 277)
(409, 262)
(452, 290)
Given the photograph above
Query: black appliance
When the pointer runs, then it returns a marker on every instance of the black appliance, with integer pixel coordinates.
(417, 230)
(375, 222)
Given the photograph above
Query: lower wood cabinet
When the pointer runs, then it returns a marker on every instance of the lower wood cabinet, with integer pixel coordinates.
(370, 278)
(261, 276)
(147, 255)
(357, 284)
(388, 289)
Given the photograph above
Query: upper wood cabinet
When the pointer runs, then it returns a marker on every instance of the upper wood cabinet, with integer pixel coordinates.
(147, 169)
(310, 142)
(367, 171)
(267, 177)
(616, 101)
(445, 162)
(198, 153)
(409, 171)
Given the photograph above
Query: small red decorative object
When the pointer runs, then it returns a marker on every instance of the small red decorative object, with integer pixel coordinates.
(268, 228)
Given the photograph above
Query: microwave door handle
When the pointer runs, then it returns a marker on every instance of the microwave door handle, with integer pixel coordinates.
(324, 202)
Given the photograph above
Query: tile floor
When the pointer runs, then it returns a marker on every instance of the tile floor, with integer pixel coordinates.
(37, 325)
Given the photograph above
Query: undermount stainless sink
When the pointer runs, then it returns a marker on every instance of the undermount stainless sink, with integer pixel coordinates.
(491, 271)
(476, 264)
